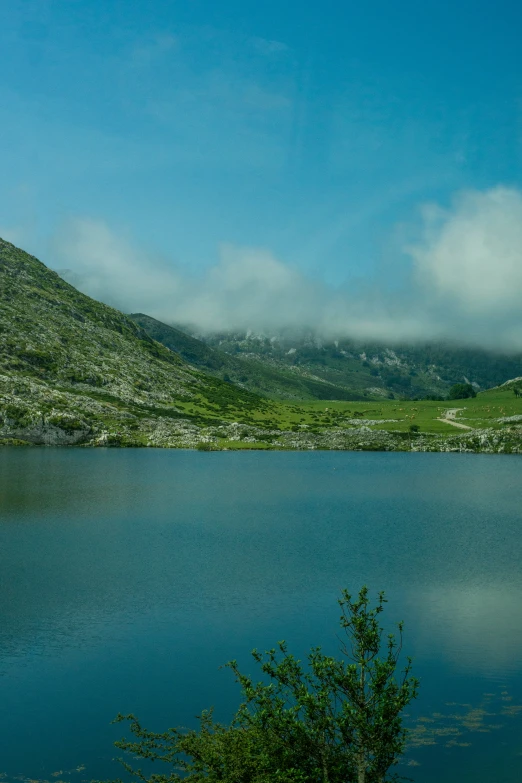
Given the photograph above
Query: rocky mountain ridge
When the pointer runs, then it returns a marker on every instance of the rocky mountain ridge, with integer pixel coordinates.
(371, 369)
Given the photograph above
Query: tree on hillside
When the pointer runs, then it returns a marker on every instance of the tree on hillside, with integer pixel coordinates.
(333, 720)
(461, 391)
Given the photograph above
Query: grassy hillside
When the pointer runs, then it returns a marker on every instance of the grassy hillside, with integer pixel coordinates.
(496, 409)
(74, 370)
(277, 382)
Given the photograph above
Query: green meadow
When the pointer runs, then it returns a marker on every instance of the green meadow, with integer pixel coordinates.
(488, 409)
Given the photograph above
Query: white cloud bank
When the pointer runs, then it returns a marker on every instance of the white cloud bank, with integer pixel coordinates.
(473, 253)
(465, 281)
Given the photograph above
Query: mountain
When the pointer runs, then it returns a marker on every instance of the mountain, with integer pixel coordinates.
(372, 370)
(73, 370)
(280, 382)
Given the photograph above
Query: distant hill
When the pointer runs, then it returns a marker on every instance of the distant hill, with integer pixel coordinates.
(370, 369)
(74, 370)
(253, 373)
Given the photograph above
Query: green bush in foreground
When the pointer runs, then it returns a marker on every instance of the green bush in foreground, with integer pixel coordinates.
(333, 720)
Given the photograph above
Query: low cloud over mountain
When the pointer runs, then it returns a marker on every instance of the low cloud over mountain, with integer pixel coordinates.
(463, 281)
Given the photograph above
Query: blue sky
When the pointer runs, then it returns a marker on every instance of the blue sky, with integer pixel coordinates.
(316, 132)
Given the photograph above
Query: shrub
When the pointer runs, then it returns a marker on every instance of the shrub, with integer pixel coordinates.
(204, 446)
(461, 391)
(333, 720)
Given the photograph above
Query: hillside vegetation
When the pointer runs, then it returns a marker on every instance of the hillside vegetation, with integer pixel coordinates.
(73, 370)
(278, 382)
(372, 370)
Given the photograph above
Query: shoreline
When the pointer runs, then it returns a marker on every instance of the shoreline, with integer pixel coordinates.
(484, 441)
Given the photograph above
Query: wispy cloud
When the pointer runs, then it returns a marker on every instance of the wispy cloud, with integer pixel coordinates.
(465, 281)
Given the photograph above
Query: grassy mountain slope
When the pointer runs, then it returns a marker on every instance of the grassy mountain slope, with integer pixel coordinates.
(257, 376)
(74, 370)
(373, 370)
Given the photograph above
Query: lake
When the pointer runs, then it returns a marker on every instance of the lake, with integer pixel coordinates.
(128, 577)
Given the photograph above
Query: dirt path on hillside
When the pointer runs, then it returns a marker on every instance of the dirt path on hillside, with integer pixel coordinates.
(448, 417)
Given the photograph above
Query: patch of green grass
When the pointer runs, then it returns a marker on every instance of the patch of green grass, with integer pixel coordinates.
(480, 412)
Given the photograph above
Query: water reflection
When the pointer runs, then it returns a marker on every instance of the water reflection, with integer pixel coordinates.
(111, 562)
(475, 627)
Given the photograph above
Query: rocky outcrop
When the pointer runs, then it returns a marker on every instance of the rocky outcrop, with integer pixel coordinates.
(44, 434)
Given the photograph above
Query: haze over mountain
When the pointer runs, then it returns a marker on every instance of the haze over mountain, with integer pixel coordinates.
(302, 366)
(457, 276)
(262, 377)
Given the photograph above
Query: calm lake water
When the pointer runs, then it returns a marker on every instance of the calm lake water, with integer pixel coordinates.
(127, 577)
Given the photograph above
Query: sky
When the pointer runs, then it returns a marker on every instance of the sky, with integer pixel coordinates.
(353, 167)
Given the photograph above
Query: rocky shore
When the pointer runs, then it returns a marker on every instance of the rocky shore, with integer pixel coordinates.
(55, 428)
